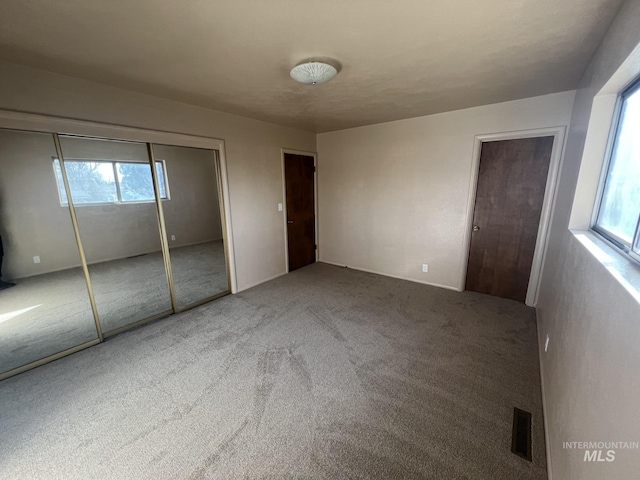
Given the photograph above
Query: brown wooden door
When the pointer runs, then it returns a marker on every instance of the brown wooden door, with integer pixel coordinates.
(511, 186)
(301, 219)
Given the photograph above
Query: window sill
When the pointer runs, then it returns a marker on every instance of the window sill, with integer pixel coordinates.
(106, 204)
(623, 269)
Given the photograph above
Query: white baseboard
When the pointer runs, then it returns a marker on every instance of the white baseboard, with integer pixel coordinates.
(112, 259)
(194, 243)
(260, 282)
(547, 444)
(447, 287)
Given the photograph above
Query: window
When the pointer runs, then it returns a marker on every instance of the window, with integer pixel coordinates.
(619, 210)
(101, 181)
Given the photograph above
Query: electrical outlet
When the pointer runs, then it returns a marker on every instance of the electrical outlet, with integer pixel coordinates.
(279, 207)
(546, 343)
(173, 237)
(36, 259)
(425, 268)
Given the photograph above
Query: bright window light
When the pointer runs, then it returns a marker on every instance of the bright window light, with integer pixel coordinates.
(16, 313)
(619, 209)
(96, 182)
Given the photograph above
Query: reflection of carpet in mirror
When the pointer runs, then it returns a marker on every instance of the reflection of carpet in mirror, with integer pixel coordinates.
(46, 314)
(199, 272)
(133, 289)
(43, 315)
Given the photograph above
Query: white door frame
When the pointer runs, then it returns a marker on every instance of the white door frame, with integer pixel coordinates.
(51, 124)
(284, 205)
(540, 252)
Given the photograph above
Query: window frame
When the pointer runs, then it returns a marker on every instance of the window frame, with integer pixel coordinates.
(114, 163)
(631, 250)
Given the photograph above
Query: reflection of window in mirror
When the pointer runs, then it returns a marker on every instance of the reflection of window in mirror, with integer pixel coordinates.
(110, 181)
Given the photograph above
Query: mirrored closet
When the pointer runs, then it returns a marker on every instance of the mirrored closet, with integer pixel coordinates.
(100, 235)
(194, 224)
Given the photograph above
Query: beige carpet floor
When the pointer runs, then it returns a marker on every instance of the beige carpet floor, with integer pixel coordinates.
(46, 314)
(323, 373)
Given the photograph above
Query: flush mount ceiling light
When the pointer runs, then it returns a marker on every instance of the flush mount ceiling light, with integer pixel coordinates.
(313, 73)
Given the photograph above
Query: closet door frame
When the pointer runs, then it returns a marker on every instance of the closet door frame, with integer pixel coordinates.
(61, 126)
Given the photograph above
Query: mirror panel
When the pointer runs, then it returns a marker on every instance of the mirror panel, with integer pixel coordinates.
(113, 194)
(193, 222)
(47, 310)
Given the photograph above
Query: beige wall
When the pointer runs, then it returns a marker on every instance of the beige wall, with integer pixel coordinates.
(394, 196)
(252, 151)
(193, 213)
(590, 372)
(33, 222)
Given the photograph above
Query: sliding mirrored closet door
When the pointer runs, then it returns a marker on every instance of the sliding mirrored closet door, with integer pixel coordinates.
(100, 235)
(44, 304)
(193, 221)
(112, 190)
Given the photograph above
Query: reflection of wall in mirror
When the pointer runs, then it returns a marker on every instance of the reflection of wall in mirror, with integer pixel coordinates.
(34, 222)
(193, 213)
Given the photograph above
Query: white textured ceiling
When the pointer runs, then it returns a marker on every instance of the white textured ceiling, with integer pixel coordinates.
(399, 58)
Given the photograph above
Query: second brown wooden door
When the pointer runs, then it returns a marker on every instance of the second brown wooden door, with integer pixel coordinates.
(301, 220)
(511, 186)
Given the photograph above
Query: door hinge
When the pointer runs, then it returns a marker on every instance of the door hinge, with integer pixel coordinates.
(315, 246)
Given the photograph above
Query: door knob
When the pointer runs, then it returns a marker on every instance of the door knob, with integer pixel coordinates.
(289, 221)
(476, 228)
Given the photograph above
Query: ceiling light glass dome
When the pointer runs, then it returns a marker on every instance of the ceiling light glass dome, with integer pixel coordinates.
(313, 73)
